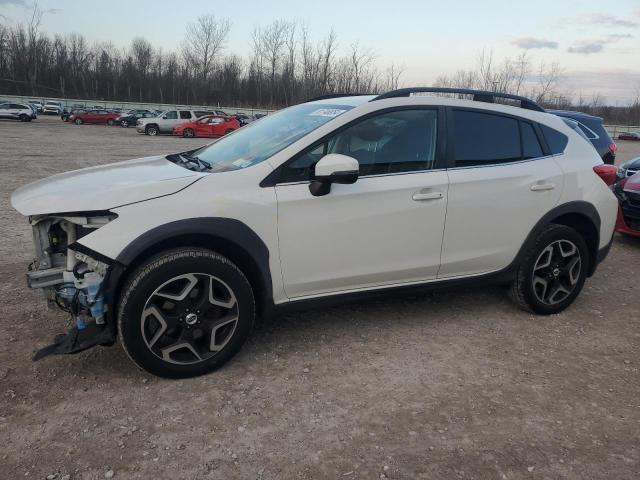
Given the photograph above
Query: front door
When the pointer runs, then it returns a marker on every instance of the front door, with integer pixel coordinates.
(385, 229)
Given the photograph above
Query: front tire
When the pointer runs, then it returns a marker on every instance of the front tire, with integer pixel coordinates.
(185, 312)
(151, 130)
(24, 118)
(111, 122)
(124, 123)
(78, 121)
(188, 133)
(552, 272)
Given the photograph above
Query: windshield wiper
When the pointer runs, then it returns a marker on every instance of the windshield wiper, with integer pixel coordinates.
(196, 159)
(190, 162)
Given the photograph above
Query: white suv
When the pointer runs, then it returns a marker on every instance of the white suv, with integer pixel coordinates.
(165, 122)
(177, 255)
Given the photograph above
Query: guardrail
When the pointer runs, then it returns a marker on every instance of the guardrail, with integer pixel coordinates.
(615, 130)
(84, 103)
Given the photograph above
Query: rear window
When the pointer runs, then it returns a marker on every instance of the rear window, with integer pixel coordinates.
(557, 141)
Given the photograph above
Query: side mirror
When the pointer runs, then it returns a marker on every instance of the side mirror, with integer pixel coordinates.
(333, 168)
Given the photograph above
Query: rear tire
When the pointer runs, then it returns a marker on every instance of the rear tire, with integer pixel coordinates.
(124, 124)
(24, 118)
(151, 130)
(552, 272)
(185, 312)
(78, 121)
(229, 130)
(188, 133)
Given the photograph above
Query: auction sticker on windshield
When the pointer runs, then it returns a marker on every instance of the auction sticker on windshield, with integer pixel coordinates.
(327, 112)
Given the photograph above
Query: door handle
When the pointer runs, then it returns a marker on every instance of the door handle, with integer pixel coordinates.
(540, 187)
(420, 197)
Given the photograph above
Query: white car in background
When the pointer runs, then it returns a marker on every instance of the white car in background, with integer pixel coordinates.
(165, 122)
(340, 196)
(52, 108)
(16, 111)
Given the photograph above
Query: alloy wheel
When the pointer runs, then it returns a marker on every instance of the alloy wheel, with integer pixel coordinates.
(189, 318)
(556, 272)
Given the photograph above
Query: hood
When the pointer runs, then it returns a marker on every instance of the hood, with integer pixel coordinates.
(632, 184)
(103, 187)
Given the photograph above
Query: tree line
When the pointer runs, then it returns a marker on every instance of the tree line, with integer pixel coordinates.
(284, 66)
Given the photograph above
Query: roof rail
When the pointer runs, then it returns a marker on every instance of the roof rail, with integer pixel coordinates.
(478, 95)
(336, 95)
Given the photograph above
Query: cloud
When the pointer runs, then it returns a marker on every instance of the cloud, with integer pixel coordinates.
(596, 46)
(586, 48)
(530, 43)
(17, 3)
(602, 19)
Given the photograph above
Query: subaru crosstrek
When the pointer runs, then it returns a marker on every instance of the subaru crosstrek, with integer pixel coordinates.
(177, 255)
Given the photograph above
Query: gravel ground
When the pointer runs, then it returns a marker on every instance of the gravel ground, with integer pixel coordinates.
(453, 384)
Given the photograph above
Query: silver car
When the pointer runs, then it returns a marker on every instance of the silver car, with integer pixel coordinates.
(166, 122)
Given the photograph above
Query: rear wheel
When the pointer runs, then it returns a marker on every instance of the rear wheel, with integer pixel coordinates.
(188, 132)
(24, 118)
(151, 130)
(553, 271)
(124, 123)
(229, 130)
(185, 312)
(78, 121)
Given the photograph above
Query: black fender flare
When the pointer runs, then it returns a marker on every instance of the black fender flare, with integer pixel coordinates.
(580, 207)
(226, 229)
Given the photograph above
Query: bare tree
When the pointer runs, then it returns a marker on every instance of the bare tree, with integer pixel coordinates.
(205, 39)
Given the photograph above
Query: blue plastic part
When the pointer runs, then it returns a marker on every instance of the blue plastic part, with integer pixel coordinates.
(80, 325)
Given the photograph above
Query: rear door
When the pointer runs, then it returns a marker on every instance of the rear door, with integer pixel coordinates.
(501, 183)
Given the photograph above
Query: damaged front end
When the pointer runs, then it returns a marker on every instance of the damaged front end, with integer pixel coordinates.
(73, 278)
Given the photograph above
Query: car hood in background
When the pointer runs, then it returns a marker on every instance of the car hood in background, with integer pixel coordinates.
(632, 184)
(103, 187)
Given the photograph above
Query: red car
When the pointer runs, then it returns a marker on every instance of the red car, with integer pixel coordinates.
(629, 136)
(207, 126)
(95, 116)
(628, 192)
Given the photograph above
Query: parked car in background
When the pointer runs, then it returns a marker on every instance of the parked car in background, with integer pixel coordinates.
(633, 136)
(52, 108)
(130, 119)
(593, 128)
(166, 122)
(34, 111)
(139, 111)
(37, 104)
(243, 118)
(67, 113)
(628, 192)
(208, 126)
(16, 111)
(94, 116)
(629, 168)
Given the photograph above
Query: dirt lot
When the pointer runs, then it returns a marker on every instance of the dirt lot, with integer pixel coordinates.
(455, 384)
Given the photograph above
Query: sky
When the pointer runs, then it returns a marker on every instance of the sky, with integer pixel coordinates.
(597, 43)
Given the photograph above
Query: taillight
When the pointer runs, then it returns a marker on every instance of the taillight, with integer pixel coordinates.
(608, 173)
(613, 148)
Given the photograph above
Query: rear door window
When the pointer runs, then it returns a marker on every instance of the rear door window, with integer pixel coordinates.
(484, 139)
(531, 147)
(171, 115)
(185, 115)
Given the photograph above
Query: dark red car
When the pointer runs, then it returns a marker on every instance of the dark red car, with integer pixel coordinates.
(629, 136)
(95, 116)
(628, 192)
(207, 126)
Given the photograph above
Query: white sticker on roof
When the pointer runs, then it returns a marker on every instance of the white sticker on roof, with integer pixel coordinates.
(327, 112)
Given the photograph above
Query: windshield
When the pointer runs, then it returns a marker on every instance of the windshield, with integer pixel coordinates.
(262, 139)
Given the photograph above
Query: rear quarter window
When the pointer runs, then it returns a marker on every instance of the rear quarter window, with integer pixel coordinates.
(556, 141)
